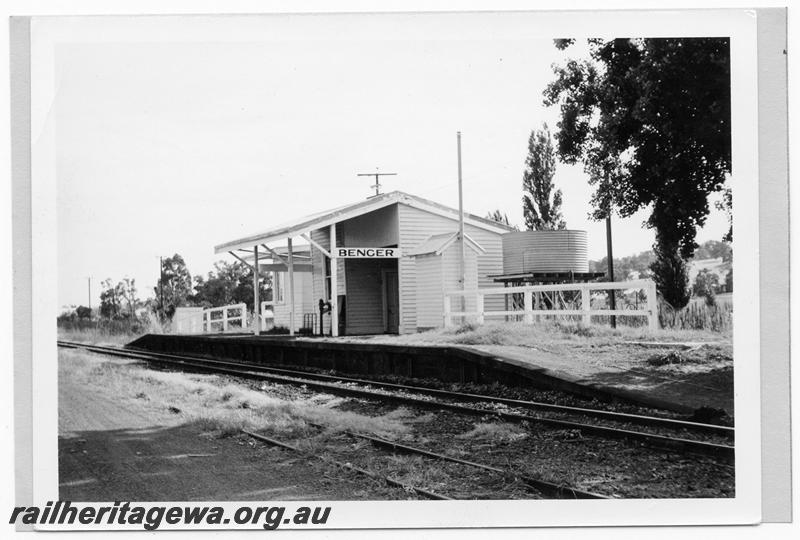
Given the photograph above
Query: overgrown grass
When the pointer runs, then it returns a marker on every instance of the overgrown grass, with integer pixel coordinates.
(110, 332)
(546, 334)
(95, 336)
(221, 408)
(697, 316)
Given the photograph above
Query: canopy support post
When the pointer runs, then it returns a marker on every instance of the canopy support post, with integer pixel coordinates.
(334, 283)
(291, 288)
(256, 300)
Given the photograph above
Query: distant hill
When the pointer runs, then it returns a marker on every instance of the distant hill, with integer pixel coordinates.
(714, 255)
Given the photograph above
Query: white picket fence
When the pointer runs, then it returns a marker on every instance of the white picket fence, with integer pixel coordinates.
(530, 312)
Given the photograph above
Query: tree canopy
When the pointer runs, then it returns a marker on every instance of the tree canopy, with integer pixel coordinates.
(175, 283)
(229, 283)
(541, 202)
(498, 216)
(650, 121)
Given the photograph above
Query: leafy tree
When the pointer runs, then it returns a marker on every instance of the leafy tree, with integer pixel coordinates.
(726, 205)
(706, 284)
(68, 314)
(625, 266)
(650, 121)
(498, 216)
(176, 284)
(229, 283)
(83, 312)
(127, 288)
(111, 299)
(729, 281)
(713, 249)
(671, 276)
(641, 262)
(541, 205)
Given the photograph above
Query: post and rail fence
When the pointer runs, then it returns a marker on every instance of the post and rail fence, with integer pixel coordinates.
(191, 320)
(544, 300)
(209, 321)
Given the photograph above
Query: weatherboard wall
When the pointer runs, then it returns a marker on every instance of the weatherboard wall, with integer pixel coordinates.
(303, 300)
(365, 308)
(437, 274)
(415, 226)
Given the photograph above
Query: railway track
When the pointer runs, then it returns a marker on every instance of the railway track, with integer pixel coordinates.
(428, 494)
(547, 488)
(425, 397)
(541, 486)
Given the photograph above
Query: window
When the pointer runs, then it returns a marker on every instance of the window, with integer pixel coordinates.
(280, 287)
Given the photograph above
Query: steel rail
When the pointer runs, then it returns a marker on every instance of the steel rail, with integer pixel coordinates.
(660, 441)
(548, 488)
(667, 423)
(389, 481)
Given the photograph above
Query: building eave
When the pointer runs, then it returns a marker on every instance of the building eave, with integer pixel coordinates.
(325, 219)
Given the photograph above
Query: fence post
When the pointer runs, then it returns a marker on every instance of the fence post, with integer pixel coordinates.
(586, 304)
(652, 305)
(527, 304)
(479, 307)
(448, 321)
(225, 319)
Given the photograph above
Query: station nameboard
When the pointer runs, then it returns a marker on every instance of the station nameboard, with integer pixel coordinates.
(366, 253)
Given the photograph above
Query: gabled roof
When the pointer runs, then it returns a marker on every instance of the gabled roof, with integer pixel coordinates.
(438, 244)
(325, 219)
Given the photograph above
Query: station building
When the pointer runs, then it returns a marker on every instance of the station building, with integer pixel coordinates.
(382, 263)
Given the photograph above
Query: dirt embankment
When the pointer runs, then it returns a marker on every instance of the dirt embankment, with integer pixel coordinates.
(118, 447)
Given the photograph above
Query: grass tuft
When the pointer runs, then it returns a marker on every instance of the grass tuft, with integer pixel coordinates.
(494, 432)
(222, 407)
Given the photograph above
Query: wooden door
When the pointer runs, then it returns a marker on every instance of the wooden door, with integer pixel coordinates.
(391, 302)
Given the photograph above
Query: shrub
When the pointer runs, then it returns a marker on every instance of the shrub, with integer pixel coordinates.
(277, 330)
(697, 316)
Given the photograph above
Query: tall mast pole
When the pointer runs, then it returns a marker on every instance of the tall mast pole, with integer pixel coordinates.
(610, 257)
(463, 254)
(161, 284)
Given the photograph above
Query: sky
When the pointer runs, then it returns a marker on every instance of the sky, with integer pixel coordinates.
(175, 147)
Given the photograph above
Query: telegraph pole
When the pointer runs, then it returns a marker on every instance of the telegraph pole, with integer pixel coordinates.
(161, 284)
(463, 254)
(89, 279)
(377, 176)
(610, 257)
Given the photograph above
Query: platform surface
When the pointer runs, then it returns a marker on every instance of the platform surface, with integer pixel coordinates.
(693, 375)
(693, 390)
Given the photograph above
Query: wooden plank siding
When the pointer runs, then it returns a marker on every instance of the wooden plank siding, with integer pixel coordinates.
(430, 289)
(437, 274)
(415, 226)
(303, 300)
(365, 302)
(410, 226)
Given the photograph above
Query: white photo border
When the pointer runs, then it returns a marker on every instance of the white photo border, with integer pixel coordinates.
(47, 33)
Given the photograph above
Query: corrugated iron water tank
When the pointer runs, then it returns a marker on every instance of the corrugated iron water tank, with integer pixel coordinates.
(545, 251)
